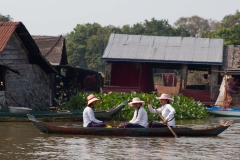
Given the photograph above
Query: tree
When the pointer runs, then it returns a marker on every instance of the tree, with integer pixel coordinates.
(230, 20)
(76, 46)
(157, 28)
(154, 28)
(6, 18)
(230, 35)
(86, 43)
(137, 29)
(195, 25)
(96, 45)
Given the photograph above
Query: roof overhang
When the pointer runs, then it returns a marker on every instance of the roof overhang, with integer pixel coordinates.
(160, 61)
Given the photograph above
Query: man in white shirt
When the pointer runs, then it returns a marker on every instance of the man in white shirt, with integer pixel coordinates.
(166, 110)
(89, 119)
(140, 117)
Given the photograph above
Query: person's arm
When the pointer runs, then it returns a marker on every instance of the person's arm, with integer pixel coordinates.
(92, 117)
(151, 108)
(171, 112)
(139, 117)
(134, 117)
(229, 88)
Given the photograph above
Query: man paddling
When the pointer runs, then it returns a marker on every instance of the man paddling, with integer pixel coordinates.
(166, 110)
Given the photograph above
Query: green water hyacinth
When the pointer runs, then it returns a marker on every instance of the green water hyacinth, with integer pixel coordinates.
(186, 108)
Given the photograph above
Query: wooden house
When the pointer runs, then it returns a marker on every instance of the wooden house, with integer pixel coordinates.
(231, 66)
(70, 79)
(24, 72)
(132, 59)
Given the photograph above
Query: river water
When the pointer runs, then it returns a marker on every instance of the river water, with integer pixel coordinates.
(23, 141)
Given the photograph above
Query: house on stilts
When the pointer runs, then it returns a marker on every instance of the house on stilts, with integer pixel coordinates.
(132, 60)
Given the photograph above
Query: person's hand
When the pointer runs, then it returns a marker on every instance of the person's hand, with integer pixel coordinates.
(165, 122)
(148, 100)
(121, 125)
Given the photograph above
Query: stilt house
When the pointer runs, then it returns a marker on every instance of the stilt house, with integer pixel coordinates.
(132, 59)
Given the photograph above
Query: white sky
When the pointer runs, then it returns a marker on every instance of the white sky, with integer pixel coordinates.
(55, 17)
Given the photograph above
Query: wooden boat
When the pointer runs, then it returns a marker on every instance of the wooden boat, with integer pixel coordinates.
(133, 132)
(228, 112)
(19, 110)
(60, 116)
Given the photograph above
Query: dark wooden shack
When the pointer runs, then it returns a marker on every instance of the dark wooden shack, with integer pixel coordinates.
(24, 72)
(70, 79)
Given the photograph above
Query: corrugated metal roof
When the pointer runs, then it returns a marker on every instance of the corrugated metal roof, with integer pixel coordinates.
(6, 30)
(141, 48)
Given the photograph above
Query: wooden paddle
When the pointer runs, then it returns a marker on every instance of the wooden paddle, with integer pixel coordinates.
(175, 135)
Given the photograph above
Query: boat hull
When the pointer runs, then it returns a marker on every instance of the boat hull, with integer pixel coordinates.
(55, 116)
(131, 132)
(19, 110)
(228, 112)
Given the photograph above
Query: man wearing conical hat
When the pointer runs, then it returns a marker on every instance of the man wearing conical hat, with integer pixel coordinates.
(140, 116)
(89, 119)
(166, 110)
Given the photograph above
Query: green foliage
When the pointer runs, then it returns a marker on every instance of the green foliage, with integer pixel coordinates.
(86, 44)
(228, 29)
(186, 108)
(77, 102)
(230, 20)
(230, 35)
(195, 25)
(5, 18)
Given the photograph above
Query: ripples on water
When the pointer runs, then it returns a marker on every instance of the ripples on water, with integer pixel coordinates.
(24, 141)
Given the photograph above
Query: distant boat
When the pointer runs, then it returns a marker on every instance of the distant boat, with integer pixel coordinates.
(132, 132)
(59, 116)
(228, 112)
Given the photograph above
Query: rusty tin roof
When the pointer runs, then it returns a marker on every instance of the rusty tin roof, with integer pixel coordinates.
(34, 54)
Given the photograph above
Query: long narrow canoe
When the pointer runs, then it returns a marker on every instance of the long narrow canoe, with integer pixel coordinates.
(228, 112)
(60, 116)
(132, 132)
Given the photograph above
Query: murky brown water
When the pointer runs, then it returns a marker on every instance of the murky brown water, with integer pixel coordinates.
(23, 141)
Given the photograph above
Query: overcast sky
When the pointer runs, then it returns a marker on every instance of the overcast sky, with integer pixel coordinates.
(55, 17)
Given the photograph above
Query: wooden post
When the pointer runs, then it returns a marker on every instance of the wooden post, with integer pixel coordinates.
(214, 89)
(180, 87)
(184, 75)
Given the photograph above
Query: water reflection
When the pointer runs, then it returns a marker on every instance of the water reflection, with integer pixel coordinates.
(24, 141)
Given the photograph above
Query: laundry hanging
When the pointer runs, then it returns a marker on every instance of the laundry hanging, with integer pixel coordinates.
(169, 79)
